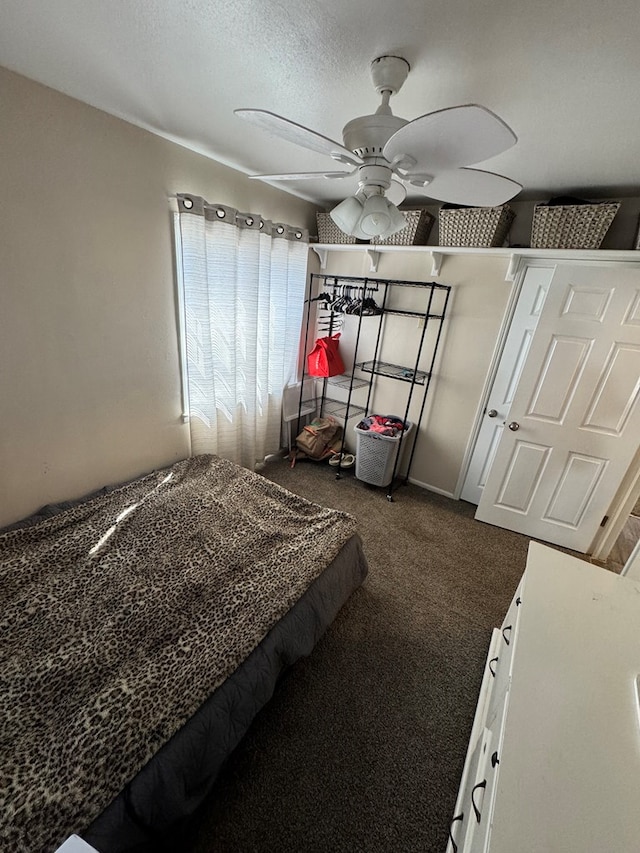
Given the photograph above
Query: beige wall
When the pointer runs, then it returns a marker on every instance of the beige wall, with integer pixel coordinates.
(89, 377)
(477, 305)
(89, 380)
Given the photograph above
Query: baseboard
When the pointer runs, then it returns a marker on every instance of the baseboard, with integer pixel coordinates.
(431, 488)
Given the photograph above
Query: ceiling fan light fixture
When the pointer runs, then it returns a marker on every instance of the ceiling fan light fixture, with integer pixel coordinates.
(398, 221)
(376, 216)
(380, 218)
(347, 214)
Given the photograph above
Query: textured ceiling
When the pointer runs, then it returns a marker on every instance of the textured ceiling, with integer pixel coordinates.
(564, 75)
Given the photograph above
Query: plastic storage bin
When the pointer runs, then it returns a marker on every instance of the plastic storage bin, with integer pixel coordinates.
(376, 454)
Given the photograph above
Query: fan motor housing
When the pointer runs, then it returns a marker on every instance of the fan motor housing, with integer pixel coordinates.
(366, 136)
(374, 175)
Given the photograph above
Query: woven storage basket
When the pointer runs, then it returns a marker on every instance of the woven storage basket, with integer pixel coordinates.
(416, 233)
(328, 231)
(482, 227)
(571, 226)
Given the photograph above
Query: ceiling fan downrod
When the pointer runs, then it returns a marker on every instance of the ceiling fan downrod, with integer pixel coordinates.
(367, 135)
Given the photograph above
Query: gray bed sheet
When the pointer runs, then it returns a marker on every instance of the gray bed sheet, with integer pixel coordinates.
(177, 780)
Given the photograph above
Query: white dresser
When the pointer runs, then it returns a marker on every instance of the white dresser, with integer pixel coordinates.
(553, 764)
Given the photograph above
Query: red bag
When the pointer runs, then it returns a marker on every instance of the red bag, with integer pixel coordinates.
(324, 359)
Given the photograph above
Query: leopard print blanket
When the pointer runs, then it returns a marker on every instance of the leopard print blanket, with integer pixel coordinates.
(121, 615)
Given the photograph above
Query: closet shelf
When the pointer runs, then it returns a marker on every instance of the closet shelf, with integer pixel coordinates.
(345, 381)
(342, 380)
(330, 406)
(407, 313)
(394, 371)
(340, 409)
(438, 253)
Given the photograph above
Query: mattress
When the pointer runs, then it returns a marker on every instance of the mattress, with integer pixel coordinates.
(145, 629)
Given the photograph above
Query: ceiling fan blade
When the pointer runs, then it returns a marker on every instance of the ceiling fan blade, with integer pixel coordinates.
(299, 135)
(396, 193)
(472, 187)
(302, 176)
(450, 138)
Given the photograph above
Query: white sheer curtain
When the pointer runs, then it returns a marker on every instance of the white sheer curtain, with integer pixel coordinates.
(244, 286)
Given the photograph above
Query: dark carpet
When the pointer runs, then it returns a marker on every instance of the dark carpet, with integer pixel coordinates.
(362, 746)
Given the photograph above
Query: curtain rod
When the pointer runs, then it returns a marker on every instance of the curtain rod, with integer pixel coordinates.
(248, 218)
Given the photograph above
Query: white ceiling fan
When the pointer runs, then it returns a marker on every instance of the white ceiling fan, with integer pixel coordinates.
(431, 152)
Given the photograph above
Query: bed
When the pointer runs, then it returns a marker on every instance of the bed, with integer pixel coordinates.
(142, 630)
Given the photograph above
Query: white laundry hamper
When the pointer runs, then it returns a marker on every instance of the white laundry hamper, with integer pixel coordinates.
(376, 453)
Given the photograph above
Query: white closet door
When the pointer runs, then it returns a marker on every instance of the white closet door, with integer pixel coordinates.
(574, 424)
(535, 285)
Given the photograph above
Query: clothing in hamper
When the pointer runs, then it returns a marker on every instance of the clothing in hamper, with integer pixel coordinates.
(383, 424)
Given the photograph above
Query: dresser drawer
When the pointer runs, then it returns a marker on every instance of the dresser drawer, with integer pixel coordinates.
(461, 826)
(470, 827)
(478, 802)
(469, 830)
(500, 663)
(496, 722)
(509, 626)
(475, 776)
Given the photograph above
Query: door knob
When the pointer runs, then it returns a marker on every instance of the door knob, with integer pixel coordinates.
(514, 425)
(492, 413)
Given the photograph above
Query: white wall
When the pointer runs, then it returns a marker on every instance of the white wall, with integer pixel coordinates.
(89, 380)
(478, 301)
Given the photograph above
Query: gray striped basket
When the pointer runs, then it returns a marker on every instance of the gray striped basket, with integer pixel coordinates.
(571, 226)
(416, 232)
(328, 231)
(481, 227)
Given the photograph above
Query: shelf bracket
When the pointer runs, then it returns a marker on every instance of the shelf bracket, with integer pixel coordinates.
(436, 263)
(514, 263)
(374, 257)
(322, 254)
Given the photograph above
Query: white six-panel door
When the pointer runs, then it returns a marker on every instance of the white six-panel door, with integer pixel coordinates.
(573, 427)
(535, 284)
